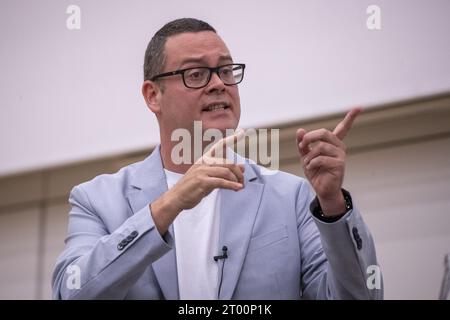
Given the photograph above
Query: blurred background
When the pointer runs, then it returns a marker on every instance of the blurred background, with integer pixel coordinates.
(71, 109)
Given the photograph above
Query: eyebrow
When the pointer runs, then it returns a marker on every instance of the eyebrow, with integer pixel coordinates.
(201, 59)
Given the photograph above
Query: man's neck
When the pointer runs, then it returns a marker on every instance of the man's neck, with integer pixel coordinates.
(166, 157)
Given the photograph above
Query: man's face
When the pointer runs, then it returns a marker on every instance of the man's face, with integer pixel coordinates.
(181, 106)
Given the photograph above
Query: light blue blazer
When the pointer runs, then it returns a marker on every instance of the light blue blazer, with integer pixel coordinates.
(276, 248)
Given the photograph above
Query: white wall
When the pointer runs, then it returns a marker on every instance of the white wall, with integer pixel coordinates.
(72, 95)
(19, 250)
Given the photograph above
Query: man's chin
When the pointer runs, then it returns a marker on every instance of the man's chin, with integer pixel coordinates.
(223, 126)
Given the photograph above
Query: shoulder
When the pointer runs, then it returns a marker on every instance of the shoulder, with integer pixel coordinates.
(108, 184)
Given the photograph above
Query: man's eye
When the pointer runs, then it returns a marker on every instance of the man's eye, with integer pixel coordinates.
(227, 70)
(227, 73)
(195, 74)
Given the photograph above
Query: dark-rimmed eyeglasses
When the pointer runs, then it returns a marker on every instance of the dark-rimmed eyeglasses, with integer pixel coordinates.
(199, 77)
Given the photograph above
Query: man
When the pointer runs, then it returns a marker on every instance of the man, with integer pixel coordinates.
(159, 229)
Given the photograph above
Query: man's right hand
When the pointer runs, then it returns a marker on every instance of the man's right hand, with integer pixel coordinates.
(208, 173)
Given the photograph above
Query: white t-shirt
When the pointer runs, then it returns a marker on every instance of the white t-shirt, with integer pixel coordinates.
(196, 242)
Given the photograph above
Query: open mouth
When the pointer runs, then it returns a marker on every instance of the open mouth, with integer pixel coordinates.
(216, 107)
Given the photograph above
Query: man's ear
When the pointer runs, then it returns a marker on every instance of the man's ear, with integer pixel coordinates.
(152, 95)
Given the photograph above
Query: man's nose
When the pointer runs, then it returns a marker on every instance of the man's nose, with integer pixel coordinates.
(215, 83)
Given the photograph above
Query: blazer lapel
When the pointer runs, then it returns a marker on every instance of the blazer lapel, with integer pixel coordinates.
(237, 216)
(147, 184)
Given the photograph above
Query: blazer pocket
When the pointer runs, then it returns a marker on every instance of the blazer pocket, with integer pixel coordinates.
(268, 238)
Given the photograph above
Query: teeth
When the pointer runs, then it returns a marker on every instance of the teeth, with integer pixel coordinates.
(215, 107)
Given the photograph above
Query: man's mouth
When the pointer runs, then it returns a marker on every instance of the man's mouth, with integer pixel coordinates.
(216, 107)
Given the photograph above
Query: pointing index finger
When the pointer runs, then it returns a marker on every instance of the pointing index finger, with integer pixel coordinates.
(344, 126)
(230, 140)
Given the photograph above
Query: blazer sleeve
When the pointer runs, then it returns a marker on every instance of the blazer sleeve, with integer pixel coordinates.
(338, 258)
(107, 264)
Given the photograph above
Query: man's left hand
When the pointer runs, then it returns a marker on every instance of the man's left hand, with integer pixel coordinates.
(323, 156)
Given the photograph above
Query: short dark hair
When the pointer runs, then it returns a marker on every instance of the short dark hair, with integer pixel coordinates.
(154, 55)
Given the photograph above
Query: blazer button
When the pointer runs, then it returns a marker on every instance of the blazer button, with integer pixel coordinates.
(355, 233)
(129, 238)
(134, 234)
(120, 246)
